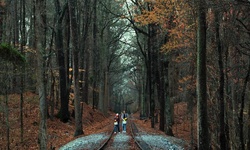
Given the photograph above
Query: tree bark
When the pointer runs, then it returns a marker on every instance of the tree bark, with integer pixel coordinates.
(86, 79)
(242, 105)
(64, 111)
(150, 75)
(67, 54)
(41, 20)
(23, 43)
(7, 119)
(168, 103)
(75, 51)
(161, 91)
(85, 32)
(248, 126)
(222, 136)
(202, 123)
(96, 58)
(106, 93)
(2, 13)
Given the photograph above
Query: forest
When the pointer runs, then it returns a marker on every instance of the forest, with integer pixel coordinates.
(140, 55)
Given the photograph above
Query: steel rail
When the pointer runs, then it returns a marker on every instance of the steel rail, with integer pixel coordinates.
(105, 142)
(141, 145)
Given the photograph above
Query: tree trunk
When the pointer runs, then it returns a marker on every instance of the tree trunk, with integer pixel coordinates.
(104, 70)
(41, 17)
(23, 43)
(202, 123)
(2, 13)
(96, 58)
(161, 92)
(106, 93)
(85, 31)
(235, 126)
(16, 23)
(140, 95)
(103, 67)
(227, 91)
(66, 43)
(222, 136)
(75, 51)
(101, 92)
(64, 111)
(168, 103)
(7, 120)
(242, 105)
(150, 75)
(42, 104)
(21, 104)
(86, 79)
(52, 96)
(248, 126)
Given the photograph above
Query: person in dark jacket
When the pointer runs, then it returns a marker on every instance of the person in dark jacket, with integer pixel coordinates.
(124, 118)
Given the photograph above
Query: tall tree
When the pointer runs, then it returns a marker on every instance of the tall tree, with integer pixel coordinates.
(96, 57)
(202, 123)
(75, 51)
(150, 72)
(2, 12)
(141, 34)
(242, 102)
(223, 143)
(66, 46)
(23, 43)
(41, 42)
(87, 12)
(156, 21)
(64, 111)
(104, 24)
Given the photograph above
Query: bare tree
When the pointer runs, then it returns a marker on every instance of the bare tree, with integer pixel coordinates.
(23, 43)
(41, 25)
(64, 111)
(75, 51)
(2, 12)
(202, 123)
(96, 57)
(221, 82)
(11, 57)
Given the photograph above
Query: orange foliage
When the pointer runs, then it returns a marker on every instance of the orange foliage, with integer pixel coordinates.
(173, 16)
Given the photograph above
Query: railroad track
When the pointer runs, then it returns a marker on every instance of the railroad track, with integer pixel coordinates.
(131, 140)
(126, 140)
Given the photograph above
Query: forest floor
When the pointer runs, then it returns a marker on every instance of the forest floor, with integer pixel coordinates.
(61, 133)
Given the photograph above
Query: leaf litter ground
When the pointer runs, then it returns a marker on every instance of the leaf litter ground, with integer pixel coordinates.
(61, 133)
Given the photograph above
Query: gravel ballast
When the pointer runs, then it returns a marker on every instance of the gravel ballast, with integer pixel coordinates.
(158, 142)
(120, 141)
(87, 143)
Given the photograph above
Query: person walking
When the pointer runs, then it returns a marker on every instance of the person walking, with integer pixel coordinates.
(124, 118)
(116, 123)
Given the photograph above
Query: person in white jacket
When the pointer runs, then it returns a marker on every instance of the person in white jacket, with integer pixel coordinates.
(124, 118)
(116, 123)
